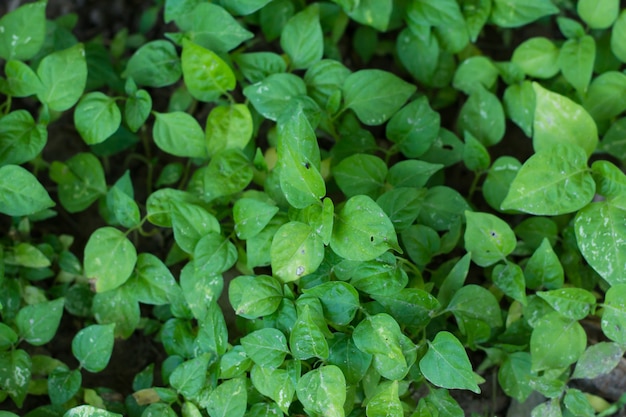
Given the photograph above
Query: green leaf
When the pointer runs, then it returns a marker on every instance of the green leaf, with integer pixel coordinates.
(252, 215)
(446, 364)
(91, 411)
(190, 376)
(272, 96)
(381, 276)
(544, 268)
(215, 253)
(402, 205)
(414, 128)
(488, 238)
(38, 323)
(307, 339)
(234, 363)
(228, 399)
(555, 180)
(374, 13)
(599, 359)
(385, 403)
(191, 222)
(319, 217)
(509, 278)
(560, 120)
(255, 296)
(598, 14)
(154, 64)
(120, 307)
(421, 243)
(576, 60)
(361, 174)
(63, 76)
(228, 127)
(515, 13)
(15, 374)
(618, 34)
(21, 79)
(206, 75)
(474, 71)
(605, 96)
(454, 280)
(21, 139)
(477, 312)
(296, 251)
(514, 376)
(519, 105)
(299, 161)
(538, 57)
(411, 173)
(266, 347)
(323, 391)
(97, 117)
(600, 232)
(302, 38)
(81, 181)
(20, 192)
(137, 109)
(229, 172)
(476, 14)
(420, 55)
(353, 362)
(7, 337)
(375, 95)
(23, 31)
(212, 27)
(571, 303)
(244, 7)
(483, 116)
(578, 403)
(442, 13)
(276, 384)
(441, 208)
(339, 299)
(410, 307)
(93, 345)
(324, 79)
(63, 384)
(109, 258)
(556, 342)
(362, 231)
(614, 316)
(199, 288)
(570, 28)
(121, 203)
(179, 134)
(255, 66)
(475, 155)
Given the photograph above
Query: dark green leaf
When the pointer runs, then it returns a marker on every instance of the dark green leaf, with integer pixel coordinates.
(605, 96)
(339, 299)
(63, 384)
(21, 139)
(509, 278)
(514, 376)
(302, 38)
(15, 374)
(38, 323)
(402, 205)
(411, 173)
(155, 64)
(352, 361)
(483, 116)
(137, 109)
(374, 13)
(410, 307)
(442, 207)
(256, 66)
(614, 316)
(421, 243)
(229, 172)
(190, 376)
(515, 13)
(544, 268)
(499, 179)
(571, 303)
(414, 128)
(120, 307)
(272, 96)
(361, 174)
(81, 181)
(519, 104)
(474, 71)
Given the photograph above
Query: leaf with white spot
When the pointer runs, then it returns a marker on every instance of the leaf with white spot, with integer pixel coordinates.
(323, 391)
(601, 237)
(15, 374)
(23, 31)
(38, 323)
(296, 251)
(93, 346)
(109, 258)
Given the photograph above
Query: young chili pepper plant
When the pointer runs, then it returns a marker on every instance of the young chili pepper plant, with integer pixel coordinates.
(314, 208)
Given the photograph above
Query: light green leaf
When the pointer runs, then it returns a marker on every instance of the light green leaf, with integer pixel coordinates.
(576, 60)
(483, 116)
(81, 181)
(402, 205)
(476, 14)
(179, 134)
(374, 13)
(63, 76)
(362, 231)
(229, 172)
(610, 180)
(23, 31)
(88, 410)
(206, 75)
(606, 96)
(152, 282)
(475, 155)
(375, 95)
(137, 109)
(276, 384)
(385, 403)
(570, 28)
(544, 268)
(514, 376)
(600, 234)
(556, 342)
(190, 223)
(21, 139)
(255, 296)
(252, 215)
(599, 359)
(266, 347)
(307, 339)
(109, 258)
(442, 207)
(200, 287)
(296, 251)
(446, 364)
(414, 128)
(411, 173)
(302, 38)
(244, 7)
(515, 13)
(410, 307)
(20, 192)
(339, 299)
(120, 307)
(323, 391)
(96, 117)
(614, 316)
(571, 303)
(21, 79)
(555, 180)
(474, 71)
(121, 202)
(560, 120)
(7, 337)
(618, 35)
(538, 57)
(488, 238)
(93, 345)
(38, 323)
(598, 14)
(228, 399)
(154, 64)
(214, 253)
(509, 278)
(477, 313)
(228, 127)
(255, 66)
(361, 174)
